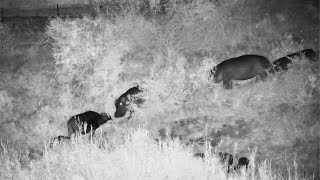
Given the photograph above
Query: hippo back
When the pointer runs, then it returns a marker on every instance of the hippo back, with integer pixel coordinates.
(242, 68)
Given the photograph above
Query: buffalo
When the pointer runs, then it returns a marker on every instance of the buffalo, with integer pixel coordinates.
(283, 63)
(86, 122)
(241, 68)
(58, 140)
(123, 102)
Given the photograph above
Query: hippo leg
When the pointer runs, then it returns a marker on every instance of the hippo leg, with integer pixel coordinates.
(130, 116)
(227, 84)
(262, 76)
(258, 78)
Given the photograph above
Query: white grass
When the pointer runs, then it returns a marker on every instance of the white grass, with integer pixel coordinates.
(138, 158)
(96, 60)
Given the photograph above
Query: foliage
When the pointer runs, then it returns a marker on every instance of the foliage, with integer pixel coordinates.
(138, 157)
(96, 60)
(88, 56)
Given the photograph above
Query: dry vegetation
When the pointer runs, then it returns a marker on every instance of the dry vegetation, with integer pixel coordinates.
(85, 64)
(136, 156)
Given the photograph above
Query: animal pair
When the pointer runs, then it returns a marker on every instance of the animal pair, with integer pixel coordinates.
(249, 66)
(89, 121)
(229, 161)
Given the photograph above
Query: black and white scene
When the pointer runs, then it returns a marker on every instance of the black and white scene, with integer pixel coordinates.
(159, 90)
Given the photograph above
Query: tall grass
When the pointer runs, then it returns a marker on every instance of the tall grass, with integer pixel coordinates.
(96, 60)
(138, 157)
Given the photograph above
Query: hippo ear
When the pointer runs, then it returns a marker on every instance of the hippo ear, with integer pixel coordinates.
(213, 71)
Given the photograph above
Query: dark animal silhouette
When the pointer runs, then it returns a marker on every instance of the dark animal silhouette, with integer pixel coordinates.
(123, 102)
(242, 162)
(200, 155)
(86, 121)
(283, 63)
(227, 160)
(241, 68)
(58, 140)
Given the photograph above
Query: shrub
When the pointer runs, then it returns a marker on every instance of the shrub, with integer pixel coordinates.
(88, 61)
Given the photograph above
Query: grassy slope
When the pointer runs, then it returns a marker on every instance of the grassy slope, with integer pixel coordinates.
(280, 121)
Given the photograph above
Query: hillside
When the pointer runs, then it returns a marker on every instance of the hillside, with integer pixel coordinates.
(52, 69)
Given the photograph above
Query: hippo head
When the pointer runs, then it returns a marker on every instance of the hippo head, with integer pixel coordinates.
(211, 72)
(121, 107)
(104, 118)
(280, 66)
(216, 74)
(276, 66)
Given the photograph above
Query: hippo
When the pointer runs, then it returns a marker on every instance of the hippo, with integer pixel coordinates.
(227, 160)
(87, 121)
(224, 157)
(199, 155)
(241, 68)
(123, 102)
(283, 63)
(242, 162)
(231, 164)
(58, 140)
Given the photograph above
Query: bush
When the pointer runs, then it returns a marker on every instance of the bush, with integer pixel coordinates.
(88, 61)
(96, 60)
